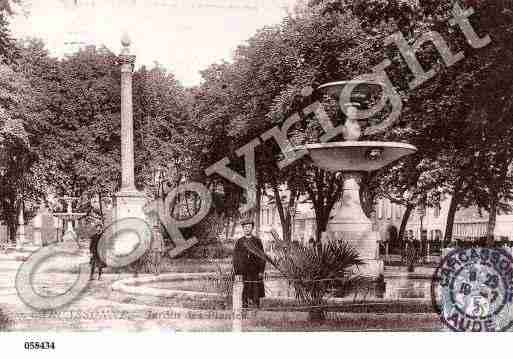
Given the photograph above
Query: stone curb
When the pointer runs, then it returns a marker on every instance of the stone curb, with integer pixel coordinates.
(131, 286)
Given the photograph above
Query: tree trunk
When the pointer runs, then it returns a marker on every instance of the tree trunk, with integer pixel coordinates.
(449, 226)
(10, 216)
(404, 221)
(284, 215)
(492, 217)
(12, 226)
(101, 208)
(322, 225)
(290, 215)
(258, 208)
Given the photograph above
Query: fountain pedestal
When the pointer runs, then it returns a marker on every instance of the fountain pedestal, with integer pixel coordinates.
(348, 222)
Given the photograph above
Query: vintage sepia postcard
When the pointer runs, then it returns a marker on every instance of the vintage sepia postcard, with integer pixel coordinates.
(255, 166)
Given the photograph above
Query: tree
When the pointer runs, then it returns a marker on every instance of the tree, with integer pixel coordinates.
(165, 136)
(262, 88)
(8, 50)
(473, 171)
(80, 145)
(19, 178)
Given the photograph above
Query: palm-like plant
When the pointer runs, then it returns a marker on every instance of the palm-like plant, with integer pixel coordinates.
(313, 271)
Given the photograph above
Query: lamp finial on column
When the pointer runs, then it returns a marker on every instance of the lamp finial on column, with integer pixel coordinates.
(125, 42)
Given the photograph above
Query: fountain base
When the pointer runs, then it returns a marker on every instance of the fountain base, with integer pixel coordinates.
(348, 222)
(366, 243)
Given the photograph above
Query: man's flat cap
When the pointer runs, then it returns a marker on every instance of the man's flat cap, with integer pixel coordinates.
(247, 221)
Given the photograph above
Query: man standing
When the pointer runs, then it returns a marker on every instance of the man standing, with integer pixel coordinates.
(249, 265)
(157, 248)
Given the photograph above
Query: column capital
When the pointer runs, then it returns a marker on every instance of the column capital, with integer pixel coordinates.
(124, 59)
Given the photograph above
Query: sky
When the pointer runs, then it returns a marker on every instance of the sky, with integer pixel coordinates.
(185, 36)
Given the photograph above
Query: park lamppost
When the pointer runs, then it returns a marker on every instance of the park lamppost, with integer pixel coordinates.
(128, 202)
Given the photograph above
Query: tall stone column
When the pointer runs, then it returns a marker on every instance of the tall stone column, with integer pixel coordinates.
(128, 202)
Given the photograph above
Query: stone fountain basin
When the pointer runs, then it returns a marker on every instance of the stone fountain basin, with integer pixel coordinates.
(189, 285)
(195, 286)
(353, 156)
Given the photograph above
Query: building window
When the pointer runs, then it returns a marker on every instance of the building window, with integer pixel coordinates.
(389, 209)
(436, 211)
(380, 209)
(398, 211)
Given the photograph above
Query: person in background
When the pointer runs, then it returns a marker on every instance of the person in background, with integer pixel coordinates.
(311, 241)
(157, 249)
(249, 265)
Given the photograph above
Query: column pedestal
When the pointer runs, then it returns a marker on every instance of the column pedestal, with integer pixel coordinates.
(349, 223)
(129, 203)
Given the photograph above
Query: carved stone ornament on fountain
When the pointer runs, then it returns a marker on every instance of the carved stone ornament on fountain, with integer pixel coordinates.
(354, 158)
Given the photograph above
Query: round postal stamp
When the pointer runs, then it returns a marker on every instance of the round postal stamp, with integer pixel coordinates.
(472, 289)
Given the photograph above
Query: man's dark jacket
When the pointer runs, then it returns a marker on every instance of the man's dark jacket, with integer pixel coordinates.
(249, 265)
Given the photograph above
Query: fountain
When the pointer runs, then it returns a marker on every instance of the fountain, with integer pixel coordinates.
(354, 158)
(348, 221)
(69, 217)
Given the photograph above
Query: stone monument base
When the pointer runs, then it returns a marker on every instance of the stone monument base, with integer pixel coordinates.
(129, 204)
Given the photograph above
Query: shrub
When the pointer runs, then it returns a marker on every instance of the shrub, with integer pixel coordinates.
(211, 250)
(480, 242)
(5, 322)
(314, 271)
(223, 284)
